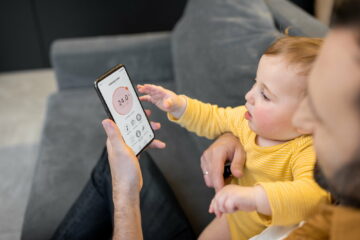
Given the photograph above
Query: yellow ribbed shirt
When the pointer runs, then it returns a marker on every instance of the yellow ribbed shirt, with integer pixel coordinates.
(285, 171)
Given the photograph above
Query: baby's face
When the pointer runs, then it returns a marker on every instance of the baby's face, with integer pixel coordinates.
(274, 98)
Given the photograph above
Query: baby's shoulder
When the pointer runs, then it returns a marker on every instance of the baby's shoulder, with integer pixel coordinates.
(303, 151)
(304, 142)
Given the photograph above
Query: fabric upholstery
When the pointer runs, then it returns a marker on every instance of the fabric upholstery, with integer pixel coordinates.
(216, 47)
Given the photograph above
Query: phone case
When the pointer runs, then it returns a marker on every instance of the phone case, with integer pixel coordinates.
(107, 110)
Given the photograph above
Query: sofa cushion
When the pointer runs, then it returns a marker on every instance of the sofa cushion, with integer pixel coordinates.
(287, 14)
(72, 141)
(216, 47)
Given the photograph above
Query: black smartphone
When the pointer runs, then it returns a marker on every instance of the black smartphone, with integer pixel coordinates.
(123, 106)
(227, 170)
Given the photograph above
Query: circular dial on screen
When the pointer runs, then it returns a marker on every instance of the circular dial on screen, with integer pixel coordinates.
(122, 100)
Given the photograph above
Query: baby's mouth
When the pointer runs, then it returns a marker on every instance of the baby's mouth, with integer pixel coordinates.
(248, 115)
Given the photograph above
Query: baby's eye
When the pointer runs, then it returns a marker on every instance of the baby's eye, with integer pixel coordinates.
(264, 96)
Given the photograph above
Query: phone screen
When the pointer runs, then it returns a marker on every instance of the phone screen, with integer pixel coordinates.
(125, 109)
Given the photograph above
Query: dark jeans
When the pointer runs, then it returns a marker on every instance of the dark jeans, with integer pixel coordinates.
(91, 216)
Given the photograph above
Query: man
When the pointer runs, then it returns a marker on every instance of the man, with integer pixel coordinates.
(331, 111)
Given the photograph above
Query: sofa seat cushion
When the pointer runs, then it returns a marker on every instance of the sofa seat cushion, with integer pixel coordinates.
(68, 151)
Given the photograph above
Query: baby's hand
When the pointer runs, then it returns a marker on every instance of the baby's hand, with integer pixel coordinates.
(232, 198)
(164, 99)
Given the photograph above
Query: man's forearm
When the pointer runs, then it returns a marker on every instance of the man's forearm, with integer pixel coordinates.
(127, 218)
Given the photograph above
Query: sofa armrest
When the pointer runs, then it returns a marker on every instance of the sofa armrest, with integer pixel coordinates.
(78, 62)
(286, 14)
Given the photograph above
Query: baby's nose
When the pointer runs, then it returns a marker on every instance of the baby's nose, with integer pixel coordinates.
(249, 97)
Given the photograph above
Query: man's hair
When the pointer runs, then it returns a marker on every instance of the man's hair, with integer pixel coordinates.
(298, 51)
(346, 13)
(344, 185)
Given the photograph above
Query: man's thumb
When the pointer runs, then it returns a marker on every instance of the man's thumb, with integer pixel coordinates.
(112, 131)
(237, 164)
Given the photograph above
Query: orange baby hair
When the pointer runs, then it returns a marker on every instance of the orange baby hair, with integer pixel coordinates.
(298, 51)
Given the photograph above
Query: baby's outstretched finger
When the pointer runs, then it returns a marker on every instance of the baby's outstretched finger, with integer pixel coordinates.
(146, 88)
(153, 89)
(145, 98)
(140, 88)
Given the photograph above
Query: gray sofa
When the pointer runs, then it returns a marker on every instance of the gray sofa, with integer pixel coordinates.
(211, 55)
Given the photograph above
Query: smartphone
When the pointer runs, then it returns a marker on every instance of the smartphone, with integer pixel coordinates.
(227, 170)
(123, 106)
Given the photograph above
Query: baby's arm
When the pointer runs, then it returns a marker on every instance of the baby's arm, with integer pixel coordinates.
(293, 201)
(232, 198)
(287, 202)
(204, 119)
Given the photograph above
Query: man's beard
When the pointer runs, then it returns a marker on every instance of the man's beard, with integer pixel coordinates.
(344, 186)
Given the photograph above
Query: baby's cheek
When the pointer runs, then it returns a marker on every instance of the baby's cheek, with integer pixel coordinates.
(264, 119)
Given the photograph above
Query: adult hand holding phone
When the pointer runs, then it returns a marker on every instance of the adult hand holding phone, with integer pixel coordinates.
(126, 184)
(126, 180)
(118, 150)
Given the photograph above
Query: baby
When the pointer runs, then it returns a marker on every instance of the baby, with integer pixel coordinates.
(277, 187)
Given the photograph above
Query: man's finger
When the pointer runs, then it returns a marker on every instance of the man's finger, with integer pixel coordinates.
(113, 132)
(207, 180)
(108, 145)
(148, 112)
(155, 125)
(157, 144)
(217, 170)
(204, 167)
(237, 163)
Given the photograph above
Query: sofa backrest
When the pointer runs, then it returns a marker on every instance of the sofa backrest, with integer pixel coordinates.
(286, 14)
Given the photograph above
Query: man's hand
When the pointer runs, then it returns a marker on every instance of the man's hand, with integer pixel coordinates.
(124, 166)
(118, 150)
(226, 148)
(126, 184)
